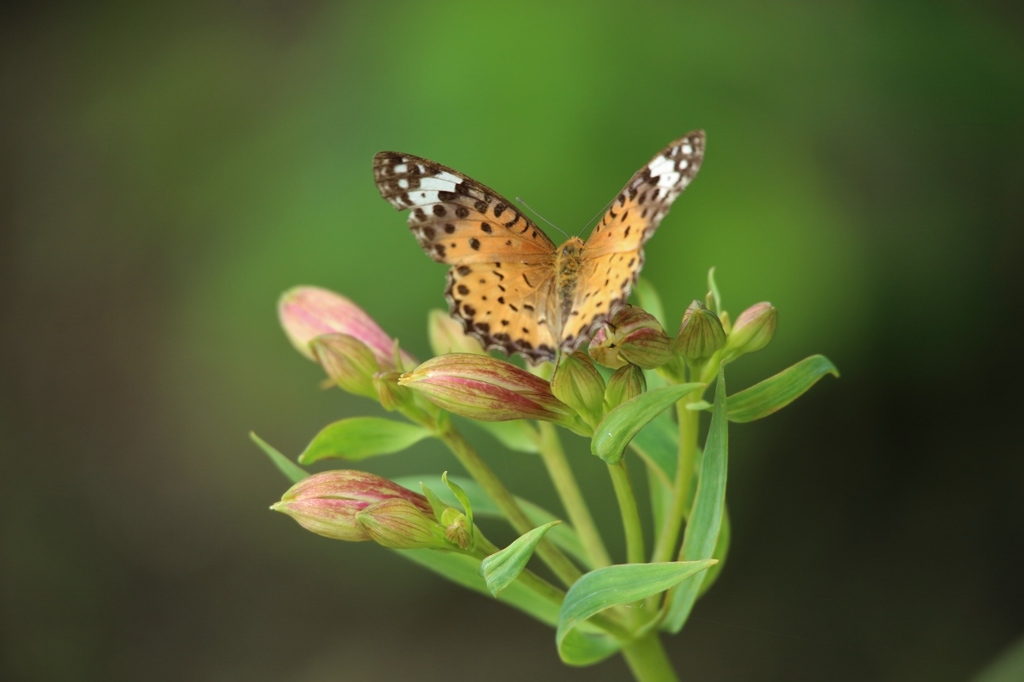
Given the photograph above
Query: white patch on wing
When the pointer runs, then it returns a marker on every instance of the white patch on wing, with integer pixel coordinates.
(423, 198)
(448, 177)
(437, 183)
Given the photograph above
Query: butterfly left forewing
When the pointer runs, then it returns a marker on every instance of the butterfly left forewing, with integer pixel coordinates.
(613, 254)
(501, 282)
(455, 218)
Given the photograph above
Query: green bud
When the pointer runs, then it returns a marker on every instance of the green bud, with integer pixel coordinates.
(485, 388)
(392, 396)
(327, 503)
(700, 334)
(753, 330)
(400, 524)
(457, 528)
(604, 349)
(625, 384)
(578, 384)
(347, 361)
(448, 336)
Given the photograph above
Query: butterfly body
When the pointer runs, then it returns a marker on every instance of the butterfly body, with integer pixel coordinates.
(510, 285)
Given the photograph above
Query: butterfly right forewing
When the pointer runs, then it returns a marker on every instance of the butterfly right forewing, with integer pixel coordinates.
(613, 254)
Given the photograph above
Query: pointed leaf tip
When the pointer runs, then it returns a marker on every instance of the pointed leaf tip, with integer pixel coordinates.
(292, 471)
(504, 566)
(775, 392)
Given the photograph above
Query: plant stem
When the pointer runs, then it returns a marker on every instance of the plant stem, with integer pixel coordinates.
(558, 562)
(689, 422)
(572, 499)
(630, 513)
(648, 661)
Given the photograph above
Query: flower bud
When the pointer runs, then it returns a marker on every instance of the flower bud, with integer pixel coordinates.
(635, 336)
(579, 385)
(400, 524)
(700, 334)
(457, 529)
(392, 396)
(327, 503)
(347, 361)
(448, 336)
(309, 312)
(485, 388)
(604, 350)
(625, 384)
(751, 332)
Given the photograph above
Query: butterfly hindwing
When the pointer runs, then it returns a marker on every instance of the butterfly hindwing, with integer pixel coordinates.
(506, 306)
(455, 218)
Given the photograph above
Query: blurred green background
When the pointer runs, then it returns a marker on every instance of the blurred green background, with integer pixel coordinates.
(165, 172)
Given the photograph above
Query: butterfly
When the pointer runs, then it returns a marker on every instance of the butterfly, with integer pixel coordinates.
(512, 288)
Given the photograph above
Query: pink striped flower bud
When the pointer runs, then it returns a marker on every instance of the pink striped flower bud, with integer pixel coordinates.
(752, 331)
(327, 503)
(488, 389)
(308, 312)
(633, 335)
(400, 524)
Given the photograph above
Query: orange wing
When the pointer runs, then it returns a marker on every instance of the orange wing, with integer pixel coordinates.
(501, 284)
(613, 255)
(508, 306)
(456, 219)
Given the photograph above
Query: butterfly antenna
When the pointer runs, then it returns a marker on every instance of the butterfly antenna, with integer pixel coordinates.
(520, 200)
(601, 212)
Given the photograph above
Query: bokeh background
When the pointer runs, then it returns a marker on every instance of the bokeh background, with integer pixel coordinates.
(166, 171)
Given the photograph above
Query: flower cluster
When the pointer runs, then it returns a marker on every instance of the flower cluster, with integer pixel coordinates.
(362, 359)
(631, 372)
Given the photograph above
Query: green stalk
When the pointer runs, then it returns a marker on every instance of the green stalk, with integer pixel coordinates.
(558, 562)
(689, 422)
(572, 499)
(630, 513)
(648, 661)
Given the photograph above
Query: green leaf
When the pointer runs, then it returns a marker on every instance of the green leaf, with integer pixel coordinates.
(500, 569)
(720, 553)
(620, 425)
(716, 298)
(461, 496)
(562, 535)
(361, 437)
(705, 519)
(435, 502)
(648, 298)
(292, 471)
(613, 585)
(775, 392)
